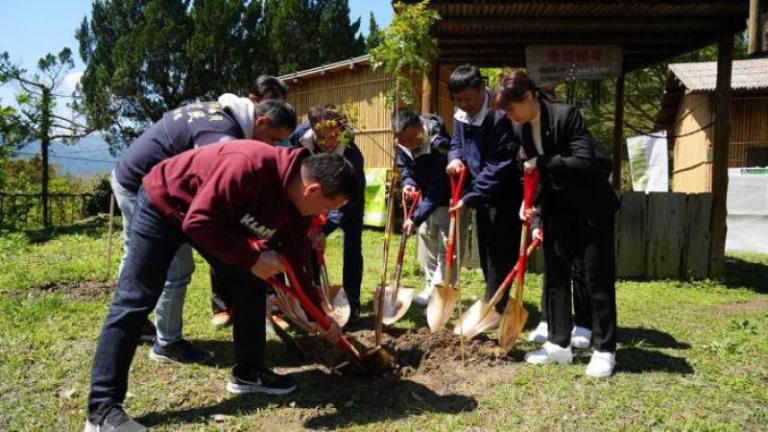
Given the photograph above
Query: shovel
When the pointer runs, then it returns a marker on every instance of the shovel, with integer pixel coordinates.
(514, 316)
(482, 315)
(398, 299)
(373, 361)
(333, 295)
(378, 298)
(444, 299)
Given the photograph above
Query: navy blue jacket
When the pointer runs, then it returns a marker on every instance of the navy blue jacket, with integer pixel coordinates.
(488, 151)
(356, 205)
(425, 170)
(178, 131)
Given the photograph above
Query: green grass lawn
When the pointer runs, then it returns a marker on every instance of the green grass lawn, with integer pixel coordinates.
(693, 355)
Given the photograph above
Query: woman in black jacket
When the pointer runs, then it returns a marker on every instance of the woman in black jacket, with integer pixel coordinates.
(577, 207)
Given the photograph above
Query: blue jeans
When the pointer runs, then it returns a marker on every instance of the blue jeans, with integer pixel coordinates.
(170, 307)
(154, 243)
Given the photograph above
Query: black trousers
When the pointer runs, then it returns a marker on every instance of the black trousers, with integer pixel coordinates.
(569, 237)
(498, 243)
(582, 314)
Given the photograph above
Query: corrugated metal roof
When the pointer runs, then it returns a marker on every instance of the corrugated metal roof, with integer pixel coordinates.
(702, 77)
(331, 67)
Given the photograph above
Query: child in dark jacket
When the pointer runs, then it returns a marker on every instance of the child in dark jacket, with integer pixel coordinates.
(327, 131)
(422, 148)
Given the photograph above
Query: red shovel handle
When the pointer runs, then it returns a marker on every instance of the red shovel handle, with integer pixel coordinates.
(318, 315)
(413, 198)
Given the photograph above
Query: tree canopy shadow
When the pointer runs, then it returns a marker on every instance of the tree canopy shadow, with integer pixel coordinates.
(338, 401)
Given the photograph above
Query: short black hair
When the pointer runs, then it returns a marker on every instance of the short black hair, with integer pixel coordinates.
(279, 113)
(403, 119)
(335, 174)
(268, 87)
(464, 77)
(321, 113)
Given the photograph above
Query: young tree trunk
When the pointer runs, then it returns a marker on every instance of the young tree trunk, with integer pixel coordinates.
(45, 133)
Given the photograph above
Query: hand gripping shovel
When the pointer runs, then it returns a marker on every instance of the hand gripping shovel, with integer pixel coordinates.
(482, 315)
(444, 299)
(398, 299)
(373, 361)
(514, 316)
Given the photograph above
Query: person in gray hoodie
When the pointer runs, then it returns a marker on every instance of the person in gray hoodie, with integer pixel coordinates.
(179, 130)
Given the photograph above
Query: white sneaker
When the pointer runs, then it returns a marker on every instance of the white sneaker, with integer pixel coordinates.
(540, 333)
(602, 364)
(423, 297)
(580, 337)
(550, 353)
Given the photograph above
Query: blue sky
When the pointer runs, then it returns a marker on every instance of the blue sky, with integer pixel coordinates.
(29, 29)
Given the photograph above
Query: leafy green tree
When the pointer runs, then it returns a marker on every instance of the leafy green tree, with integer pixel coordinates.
(406, 50)
(374, 34)
(292, 32)
(37, 118)
(337, 37)
(136, 64)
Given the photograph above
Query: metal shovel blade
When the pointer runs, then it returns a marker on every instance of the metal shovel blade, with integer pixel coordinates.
(396, 308)
(340, 304)
(480, 317)
(375, 361)
(511, 326)
(441, 306)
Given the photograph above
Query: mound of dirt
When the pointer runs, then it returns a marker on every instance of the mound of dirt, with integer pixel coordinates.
(414, 351)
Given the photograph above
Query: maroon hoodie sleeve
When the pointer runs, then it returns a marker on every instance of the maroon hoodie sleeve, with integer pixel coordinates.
(211, 221)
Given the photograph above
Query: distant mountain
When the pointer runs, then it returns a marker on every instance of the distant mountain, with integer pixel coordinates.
(89, 157)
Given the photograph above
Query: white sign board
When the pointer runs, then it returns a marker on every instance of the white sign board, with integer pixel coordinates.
(648, 162)
(549, 64)
(747, 210)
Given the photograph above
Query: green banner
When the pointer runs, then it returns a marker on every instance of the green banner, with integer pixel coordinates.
(375, 197)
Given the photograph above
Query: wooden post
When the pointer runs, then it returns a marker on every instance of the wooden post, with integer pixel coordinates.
(753, 27)
(618, 133)
(720, 153)
(429, 89)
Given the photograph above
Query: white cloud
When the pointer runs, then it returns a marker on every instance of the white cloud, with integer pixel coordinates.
(70, 81)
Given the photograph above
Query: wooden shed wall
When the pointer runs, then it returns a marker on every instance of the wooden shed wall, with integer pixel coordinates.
(749, 128)
(692, 170)
(361, 87)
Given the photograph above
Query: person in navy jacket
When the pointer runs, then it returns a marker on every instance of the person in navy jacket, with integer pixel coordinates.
(482, 142)
(326, 131)
(422, 145)
(219, 198)
(577, 207)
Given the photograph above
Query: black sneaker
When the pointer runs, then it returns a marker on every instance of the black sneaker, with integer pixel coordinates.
(178, 352)
(148, 331)
(259, 380)
(354, 315)
(113, 419)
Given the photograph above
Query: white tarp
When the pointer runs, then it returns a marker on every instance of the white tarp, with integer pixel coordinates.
(648, 162)
(747, 210)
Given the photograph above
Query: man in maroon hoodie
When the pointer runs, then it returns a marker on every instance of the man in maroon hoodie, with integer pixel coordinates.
(215, 198)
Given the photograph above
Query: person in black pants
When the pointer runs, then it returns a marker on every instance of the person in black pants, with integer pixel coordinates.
(326, 131)
(577, 209)
(482, 142)
(240, 204)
